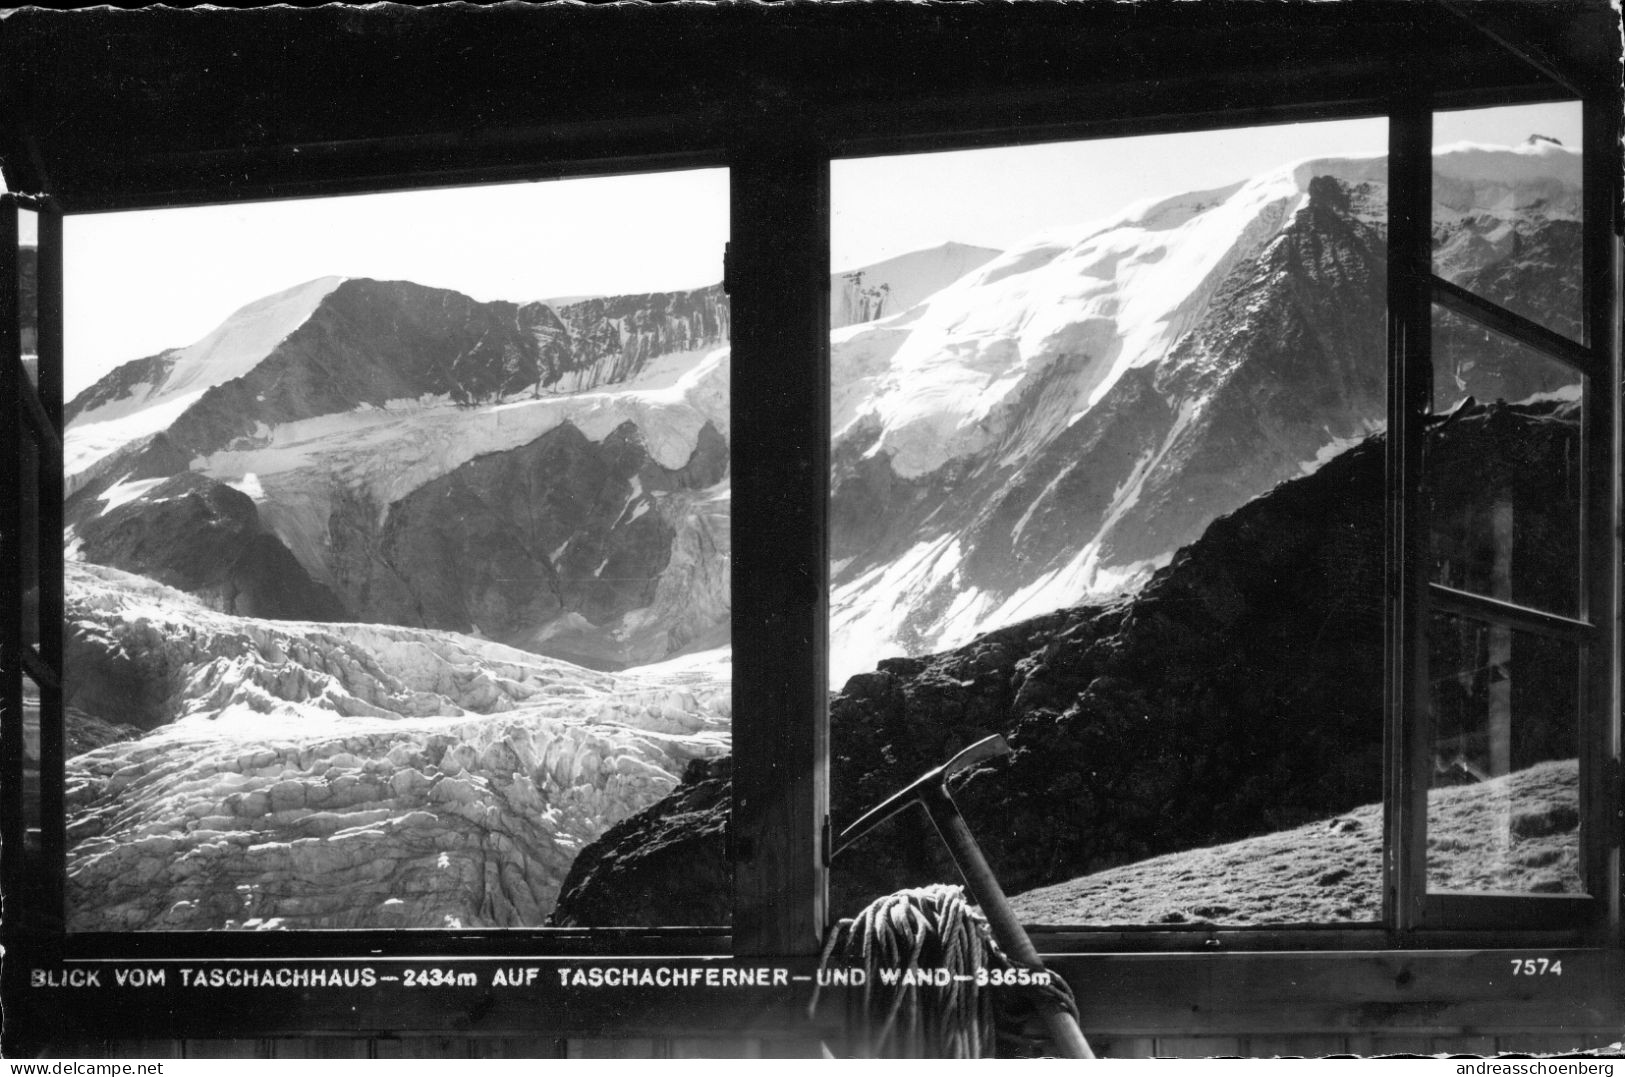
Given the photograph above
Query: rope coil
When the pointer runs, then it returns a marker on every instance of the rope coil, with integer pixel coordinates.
(929, 929)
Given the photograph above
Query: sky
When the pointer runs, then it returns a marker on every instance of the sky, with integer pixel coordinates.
(138, 283)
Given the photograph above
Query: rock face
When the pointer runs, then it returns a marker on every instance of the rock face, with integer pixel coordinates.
(1238, 694)
(373, 450)
(898, 284)
(367, 342)
(560, 528)
(611, 340)
(296, 775)
(202, 536)
(667, 864)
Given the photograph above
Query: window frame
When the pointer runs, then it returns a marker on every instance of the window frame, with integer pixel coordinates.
(778, 831)
(1414, 291)
(35, 409)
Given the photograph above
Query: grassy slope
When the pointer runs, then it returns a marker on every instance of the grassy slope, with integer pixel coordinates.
(1517, 833)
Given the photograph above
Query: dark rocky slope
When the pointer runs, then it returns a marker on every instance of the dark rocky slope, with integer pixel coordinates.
(1238, 694)
(198, 535)
(513, 540)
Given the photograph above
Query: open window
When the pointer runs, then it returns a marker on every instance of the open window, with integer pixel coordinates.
(1513, 716)
(1117, 491)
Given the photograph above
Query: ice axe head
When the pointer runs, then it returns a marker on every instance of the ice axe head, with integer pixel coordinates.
(984, 749)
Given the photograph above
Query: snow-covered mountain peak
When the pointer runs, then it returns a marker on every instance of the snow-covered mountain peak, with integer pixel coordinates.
(1066, 314)
(144, 396)
(244, 338)
(1069, 312)
(1155, 214)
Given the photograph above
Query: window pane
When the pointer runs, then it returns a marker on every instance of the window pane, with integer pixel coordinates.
(1504, 795)
(1106, 483)
(1507, 208)
(28, 567)
(1503, 476)
(30, 718)
(392, 593)
(31, 758)
(28, 288)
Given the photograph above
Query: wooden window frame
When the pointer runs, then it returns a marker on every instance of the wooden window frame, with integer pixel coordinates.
(779, 197)
(1414, 291)
(34, 414)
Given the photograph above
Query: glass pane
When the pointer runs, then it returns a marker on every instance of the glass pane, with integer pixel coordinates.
(31, 778)
(28, 288)
(1503, 476)
(1504, 795)
(398, 597)
(28, 567)
(1507, 208)
(31, 758)
(1105, 482)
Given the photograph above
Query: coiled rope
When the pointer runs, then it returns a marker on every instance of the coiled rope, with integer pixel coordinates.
(929, 929)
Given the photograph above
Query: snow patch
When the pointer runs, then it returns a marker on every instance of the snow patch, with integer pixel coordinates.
(95, 435)
(125, 491)
(250, 485)
(1338, 446)
(238, 344)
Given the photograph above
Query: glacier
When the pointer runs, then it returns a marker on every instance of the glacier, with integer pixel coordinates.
(303, 775)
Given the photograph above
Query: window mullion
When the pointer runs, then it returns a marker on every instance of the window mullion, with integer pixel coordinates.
(1459, 300)
(1600, 441)
(1483, 608)
(12, 871)
(1410, 376)
(53, 741)
(778, 278)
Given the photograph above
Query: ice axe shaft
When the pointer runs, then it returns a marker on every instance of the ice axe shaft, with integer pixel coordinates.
(931, 793)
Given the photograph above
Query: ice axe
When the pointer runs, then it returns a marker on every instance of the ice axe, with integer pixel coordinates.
(930, 791)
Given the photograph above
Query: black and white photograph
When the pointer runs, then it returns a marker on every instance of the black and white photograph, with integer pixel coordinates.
(723, 530)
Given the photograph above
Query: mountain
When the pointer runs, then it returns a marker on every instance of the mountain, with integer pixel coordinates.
(1236, 698)
(552, 475)
(1050, 428)
(1011, 433)
(381, 451)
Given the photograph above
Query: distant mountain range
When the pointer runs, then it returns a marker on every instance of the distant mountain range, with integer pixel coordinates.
(1014, 433)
